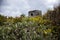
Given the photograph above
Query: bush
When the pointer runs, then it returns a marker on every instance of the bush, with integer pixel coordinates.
(29, 29)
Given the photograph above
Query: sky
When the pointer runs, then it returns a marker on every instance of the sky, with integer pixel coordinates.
(17, 7)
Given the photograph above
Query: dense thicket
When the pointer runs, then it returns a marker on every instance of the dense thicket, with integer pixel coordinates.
(54, 17)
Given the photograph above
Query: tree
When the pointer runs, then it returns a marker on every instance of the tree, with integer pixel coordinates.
(53, 15)
(22, 15)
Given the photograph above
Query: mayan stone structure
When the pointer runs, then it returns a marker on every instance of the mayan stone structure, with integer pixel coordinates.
(34, 13)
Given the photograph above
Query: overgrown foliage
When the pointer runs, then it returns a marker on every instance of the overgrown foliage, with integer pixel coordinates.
(54, 17)
(29, 28)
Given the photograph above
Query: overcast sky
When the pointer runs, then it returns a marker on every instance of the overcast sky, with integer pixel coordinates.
(17, 7)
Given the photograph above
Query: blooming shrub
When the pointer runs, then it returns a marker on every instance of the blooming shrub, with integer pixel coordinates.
(32, 28)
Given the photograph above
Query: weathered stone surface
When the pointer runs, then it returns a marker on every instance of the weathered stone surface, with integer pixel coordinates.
(35, 13)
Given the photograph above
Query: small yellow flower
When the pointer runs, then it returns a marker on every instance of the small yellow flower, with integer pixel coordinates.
(45, 32)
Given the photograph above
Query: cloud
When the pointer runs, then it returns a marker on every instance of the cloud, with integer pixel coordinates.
(43, 5)
(0, 2)
(14, 7)
(10, 12)
(17, 7)
(51, 3)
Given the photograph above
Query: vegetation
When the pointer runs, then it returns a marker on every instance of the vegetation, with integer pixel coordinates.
(31, 28)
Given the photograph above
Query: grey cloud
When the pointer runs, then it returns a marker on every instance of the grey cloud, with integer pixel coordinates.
(17, 7)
